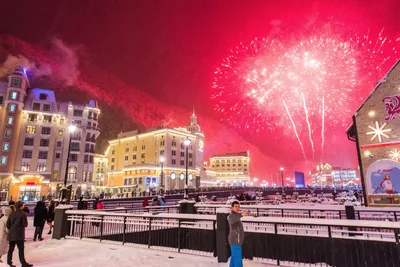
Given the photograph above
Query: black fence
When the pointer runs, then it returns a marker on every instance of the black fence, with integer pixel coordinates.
(316, 212)
(273, 240)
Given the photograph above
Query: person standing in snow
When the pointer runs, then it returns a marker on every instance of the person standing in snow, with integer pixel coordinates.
(236, 234)
(4, 231)
(39, 220)
(16, 224)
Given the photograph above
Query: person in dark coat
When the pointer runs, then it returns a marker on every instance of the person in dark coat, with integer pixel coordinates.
(16, 224)
(236, 234)
(50, 215)
(95, 203)
(39, 220)
(82, 204)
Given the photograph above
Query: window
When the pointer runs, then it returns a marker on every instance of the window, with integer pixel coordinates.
(11, 107)
(112, 167)
(36, 106)
(43, 96)
(73, 157)
(14, 95)
(143, 146)
(7, 133)
(28, 141)
(1, 100)
(58, 155)
(78, 112)
(162, 143)
(46, 107)
(113, 160)
(162, 152)
(72, 173)
(173, 161)
(16, 82)
(190, 164)
(143, 155)
(190, 155)
(94, 116)
(59, 143)
(75, 146)
(27, 154)
(127, 149)
(32, 117)
(173, 143)
(134, 157)
(173, 153)
(182, 154)
(41, 167)
(25, 167)
(44, 142)
(60, 132)
(86, 158)
(61, 121)
(3, 160)
(182, 162)
(135, 148)
(126, 158)
(6, 146)
(91, 158)
(46, 130)
(42, 155)
(10, 120)
(47, 118)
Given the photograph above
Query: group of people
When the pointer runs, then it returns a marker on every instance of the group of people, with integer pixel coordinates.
(13, 222)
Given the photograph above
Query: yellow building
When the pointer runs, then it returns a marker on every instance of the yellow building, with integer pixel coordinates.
(230, 168)
(135, 159)
(99, 172)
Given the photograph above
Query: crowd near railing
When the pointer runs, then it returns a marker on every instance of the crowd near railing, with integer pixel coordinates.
(273, 240)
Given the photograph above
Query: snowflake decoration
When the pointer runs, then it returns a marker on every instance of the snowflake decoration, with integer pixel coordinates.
(395, 155)
(378, 131)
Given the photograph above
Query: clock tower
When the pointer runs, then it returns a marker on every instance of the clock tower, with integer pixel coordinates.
(194, 128)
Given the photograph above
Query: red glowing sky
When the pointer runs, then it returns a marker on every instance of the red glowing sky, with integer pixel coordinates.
(170, 49)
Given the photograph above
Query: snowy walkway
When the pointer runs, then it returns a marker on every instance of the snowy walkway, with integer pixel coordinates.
(67, 253)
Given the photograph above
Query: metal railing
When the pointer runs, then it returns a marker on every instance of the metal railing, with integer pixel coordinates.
(316, 212)
(178, 232)
(273, 240)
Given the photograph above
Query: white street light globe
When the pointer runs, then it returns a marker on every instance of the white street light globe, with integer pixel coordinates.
(187, 141)
(162, 159)
(72, 128)
(281, 168)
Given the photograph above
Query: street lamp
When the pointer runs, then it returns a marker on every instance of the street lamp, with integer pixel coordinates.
(283, 186)
(162, 159)
(71, 129)
(187, 144)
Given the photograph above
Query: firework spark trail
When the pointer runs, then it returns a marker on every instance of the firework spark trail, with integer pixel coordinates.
(323, 127)
(295, 132)
(308, 126)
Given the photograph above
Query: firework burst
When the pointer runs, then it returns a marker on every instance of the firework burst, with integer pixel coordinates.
(306, 84)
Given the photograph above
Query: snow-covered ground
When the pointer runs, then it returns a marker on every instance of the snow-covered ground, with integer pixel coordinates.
(70, 252)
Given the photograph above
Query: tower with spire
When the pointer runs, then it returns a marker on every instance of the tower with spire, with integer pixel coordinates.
(193, 127)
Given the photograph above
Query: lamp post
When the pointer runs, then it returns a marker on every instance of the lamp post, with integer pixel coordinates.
(283, 185)
(162, 171)
(187, 144)
(71, 130)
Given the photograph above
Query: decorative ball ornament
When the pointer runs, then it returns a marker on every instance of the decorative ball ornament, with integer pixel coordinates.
(173, 176)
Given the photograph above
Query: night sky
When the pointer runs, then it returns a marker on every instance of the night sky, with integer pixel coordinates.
(170, 49)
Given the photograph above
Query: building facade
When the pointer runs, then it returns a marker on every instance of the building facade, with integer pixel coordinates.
(34, 137)
(100, 172)
(134, 164)
(376, 131)
(230, 169)
(345, 177)
(322, 175)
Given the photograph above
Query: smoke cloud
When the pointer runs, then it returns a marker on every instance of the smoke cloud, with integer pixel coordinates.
(67, 70)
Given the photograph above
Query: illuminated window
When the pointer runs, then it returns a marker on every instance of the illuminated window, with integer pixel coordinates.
(11, 107)
(14, 95)
(25, 167)
(10, 120)
(30, 129)
(6, 146)
(3, 160)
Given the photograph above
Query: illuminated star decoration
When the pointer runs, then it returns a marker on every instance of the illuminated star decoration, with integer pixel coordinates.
(378, 131)
(395, 155)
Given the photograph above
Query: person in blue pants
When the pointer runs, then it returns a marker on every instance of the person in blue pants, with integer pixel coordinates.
(236, 234)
